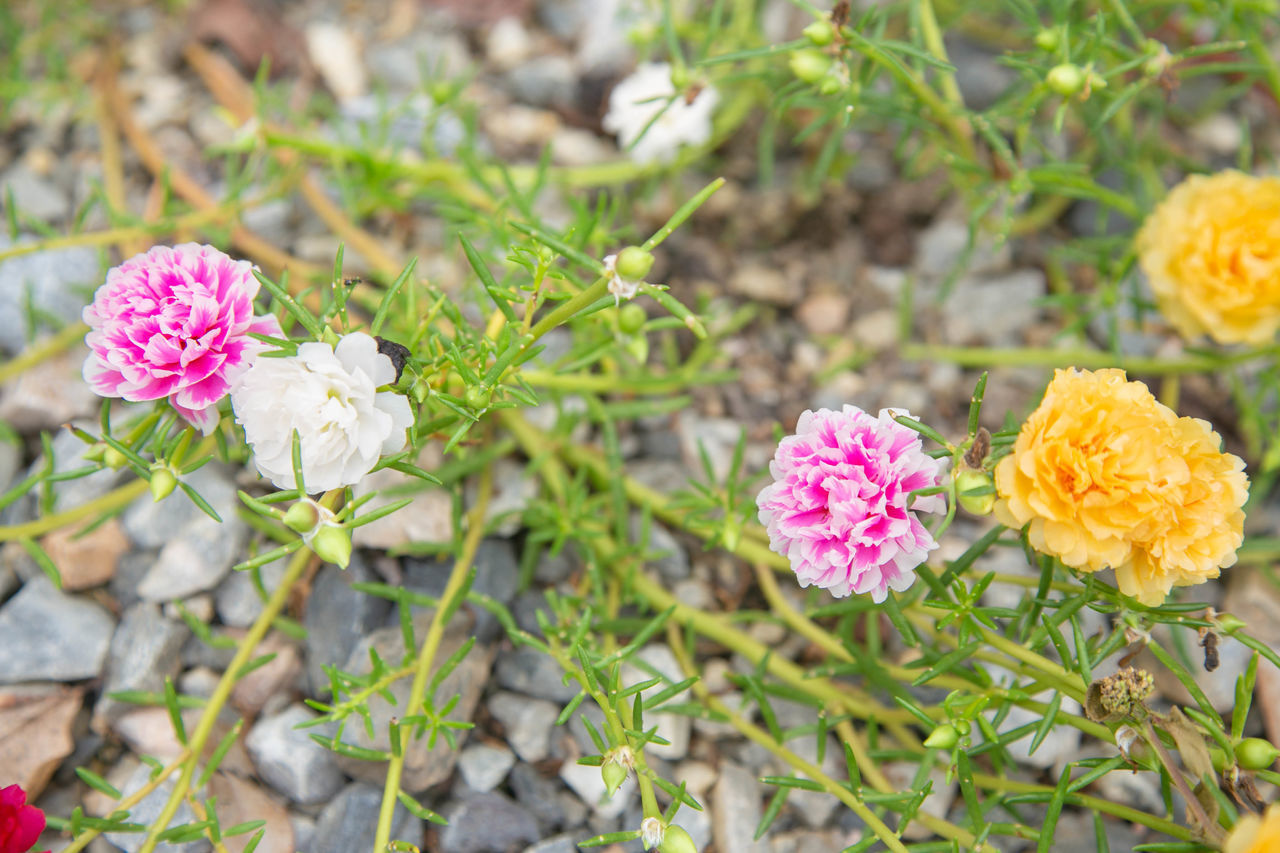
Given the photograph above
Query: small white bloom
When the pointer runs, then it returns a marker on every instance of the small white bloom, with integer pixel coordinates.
(651, 832)
(329, 395)
(652, 120)
(621, 288)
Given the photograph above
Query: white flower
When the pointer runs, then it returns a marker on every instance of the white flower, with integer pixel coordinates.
(649, 93)
(329, 395)
(621, 288)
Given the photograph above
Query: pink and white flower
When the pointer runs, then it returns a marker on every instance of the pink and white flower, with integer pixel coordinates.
(175, 322)
(330, 396)
(839, 506)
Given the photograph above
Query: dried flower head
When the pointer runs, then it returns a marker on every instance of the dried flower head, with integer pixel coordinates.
(1256, 834)
(1211, 251)
(840, 506)
(175, 322)
(1103, 475)
(1126, 689)
(652, 119)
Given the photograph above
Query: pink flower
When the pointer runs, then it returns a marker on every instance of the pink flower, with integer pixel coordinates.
(838, 507)
(20, 824)
(175, 322)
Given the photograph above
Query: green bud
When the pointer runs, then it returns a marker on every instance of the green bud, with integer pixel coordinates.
(114, 459)
(162, 482)
(614, 775)
(676, 840)
(1229, 623)
(302, 517)
(329, 336)
(680, 78)
(1049, 39)
(1065, 79)
(478, 396)
(633, 263)
(1255, 753)
(944, 736)
(95, 452)
(420, 391)
(820, 33)
(810, 65)
(830, 85)
(975, 491)
(332, 544)
(631, 318)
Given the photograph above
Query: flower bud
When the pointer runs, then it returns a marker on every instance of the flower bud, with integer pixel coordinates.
(680, 78)
(95, 452)
(1255, 753)
(614, 775)
(114, 459)
(944, 736)
(478, 397)
(303, 516)
(634, 263)
(810, 65)
(162, 482)
(830, 85)
(1065, 79)
(820, 33)
(631, 318)
(975, 491)
(332, 544)
(1049, 39)
(1229, 623)
(676, 840)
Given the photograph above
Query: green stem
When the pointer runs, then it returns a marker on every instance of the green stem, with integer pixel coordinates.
(41, 350)
(244, 653)
(1080, 358)
(108, 503)
(565, 310)
(426, 655)
(81, 841)
(932, 35)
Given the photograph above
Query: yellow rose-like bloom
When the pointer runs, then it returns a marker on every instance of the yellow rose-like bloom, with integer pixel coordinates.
(1255, 834)
(1105, 476)
(1211, 251)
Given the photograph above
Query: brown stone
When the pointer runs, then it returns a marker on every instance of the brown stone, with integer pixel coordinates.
(89, 560)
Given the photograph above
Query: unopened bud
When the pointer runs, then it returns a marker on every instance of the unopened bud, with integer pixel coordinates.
(162, 482)
(1049, 39)
(810, 65)
(478, 396)
(114, 459)
(1065, 79)
(944, 736)
(631, 318)
(95, 451)
(676, 840)
(614, 775)
(830, 84)
(1229, 623)
(303, 516)
(634, 263)
(332, 544)
(975, 491)
(1255, 753)
(820, 33)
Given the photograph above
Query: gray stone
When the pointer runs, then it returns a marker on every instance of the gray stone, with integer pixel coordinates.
(497, 575)
(151, 524)
(671, 560)
(130, 570)
(943, 250)
(979, 74)
(486, 823)
(148, 809)
(483, 767)
(304, 832)
(736, 811)
(528, 723)
(424, 766)
(538, 794)
(50, 636)
(337, 617)
(195, 559)
(603, 46)
(288, 759)
(58, 283)
(554, 568)
(237, 598)
(144, 651)
(699, 826)
(68, 455)
(10, 462)
(33, 195)
(562, 18)
(529, 671)
(526, 608)
(543, 81)
(351, 819)
(566, 843)
(994, 310)
(400, 65)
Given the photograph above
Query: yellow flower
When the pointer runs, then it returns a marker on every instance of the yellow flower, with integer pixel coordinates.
(1254, 834)
(1105, 476)
(1211, 251)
